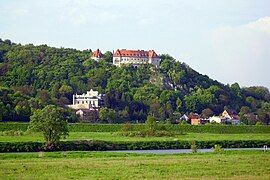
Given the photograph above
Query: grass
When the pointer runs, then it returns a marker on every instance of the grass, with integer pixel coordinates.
(107, 165)
(107, 136)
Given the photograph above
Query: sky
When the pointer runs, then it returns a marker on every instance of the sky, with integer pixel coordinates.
(228, 40)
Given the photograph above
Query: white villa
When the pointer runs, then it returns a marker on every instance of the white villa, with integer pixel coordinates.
(136, 57)
(90, 100)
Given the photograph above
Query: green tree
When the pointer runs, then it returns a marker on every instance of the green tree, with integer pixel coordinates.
(264, 113)
(108, 57)
(65, 90)
(124, 114)
(179, 105)
(23, 109)
(206, 113)
(168, 110)
(199, 100)
(3, 111)
(107, 115)
(44, 97)
(146, 94)
(50, 121)
(151, 123)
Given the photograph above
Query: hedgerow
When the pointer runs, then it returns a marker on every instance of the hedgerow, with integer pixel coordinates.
(107, 145)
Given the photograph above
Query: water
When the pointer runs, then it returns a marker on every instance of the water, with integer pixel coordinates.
(181, 151)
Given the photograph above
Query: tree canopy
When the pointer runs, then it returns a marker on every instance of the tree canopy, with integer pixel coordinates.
(51, 122)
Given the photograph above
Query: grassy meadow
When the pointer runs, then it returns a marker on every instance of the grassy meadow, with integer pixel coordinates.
(107, 165)
(114, 136)
(112, 165)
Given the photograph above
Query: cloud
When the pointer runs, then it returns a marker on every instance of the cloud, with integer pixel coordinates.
(85, 12)
(242, 53)
(261, 25)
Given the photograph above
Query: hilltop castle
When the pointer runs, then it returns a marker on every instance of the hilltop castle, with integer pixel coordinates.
(135, 57)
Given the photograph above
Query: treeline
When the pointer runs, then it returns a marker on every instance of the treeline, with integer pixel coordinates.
(32, 77)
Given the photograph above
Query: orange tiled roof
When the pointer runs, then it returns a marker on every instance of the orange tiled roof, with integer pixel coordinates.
(135, 53)
(97, 54)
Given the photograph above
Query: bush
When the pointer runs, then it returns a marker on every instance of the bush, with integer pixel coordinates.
(193, 147)
(12, 133)
(126, 127)
(218, 149)
(259, 123)
(151, 123)
(7, 126)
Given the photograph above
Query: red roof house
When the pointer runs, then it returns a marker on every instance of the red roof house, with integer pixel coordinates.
(97, 55)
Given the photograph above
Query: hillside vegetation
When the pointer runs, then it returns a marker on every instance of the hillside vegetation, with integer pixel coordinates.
(32, 77)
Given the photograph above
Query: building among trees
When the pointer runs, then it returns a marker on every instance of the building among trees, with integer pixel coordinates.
(136, 57)
(97, 55)
(91, 100)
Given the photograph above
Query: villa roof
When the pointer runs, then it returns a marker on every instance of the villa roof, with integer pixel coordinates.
(231, 112)
(135, 53)
(97, 54)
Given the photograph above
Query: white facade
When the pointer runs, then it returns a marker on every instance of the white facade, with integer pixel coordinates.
(216, 119)
(95, 58)
(86, 101)
(136, 57)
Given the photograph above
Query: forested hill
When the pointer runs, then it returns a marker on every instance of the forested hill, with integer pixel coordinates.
(32, 77)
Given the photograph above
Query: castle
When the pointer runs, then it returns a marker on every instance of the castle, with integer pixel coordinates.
(135, 57)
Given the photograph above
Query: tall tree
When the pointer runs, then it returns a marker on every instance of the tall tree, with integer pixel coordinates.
(51, 122)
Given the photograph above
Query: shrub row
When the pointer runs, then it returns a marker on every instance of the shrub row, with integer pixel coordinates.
(104, 145)
(220, 129)
(216, 129)
(9, 126)
(12, 133)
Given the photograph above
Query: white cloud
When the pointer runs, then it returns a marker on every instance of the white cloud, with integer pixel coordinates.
(242, 53)
(87, 12)
(262, 24)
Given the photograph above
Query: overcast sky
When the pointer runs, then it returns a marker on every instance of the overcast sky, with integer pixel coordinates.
(227, 40)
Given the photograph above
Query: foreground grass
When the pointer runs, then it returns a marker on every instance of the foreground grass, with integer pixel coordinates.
(107, 136)
(105, 165)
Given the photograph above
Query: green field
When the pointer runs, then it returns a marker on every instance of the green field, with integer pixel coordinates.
(108, 165)
(105, 165)
(107, 136)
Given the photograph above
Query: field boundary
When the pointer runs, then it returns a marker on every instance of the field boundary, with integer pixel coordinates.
(108, 145)
(214, 129)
